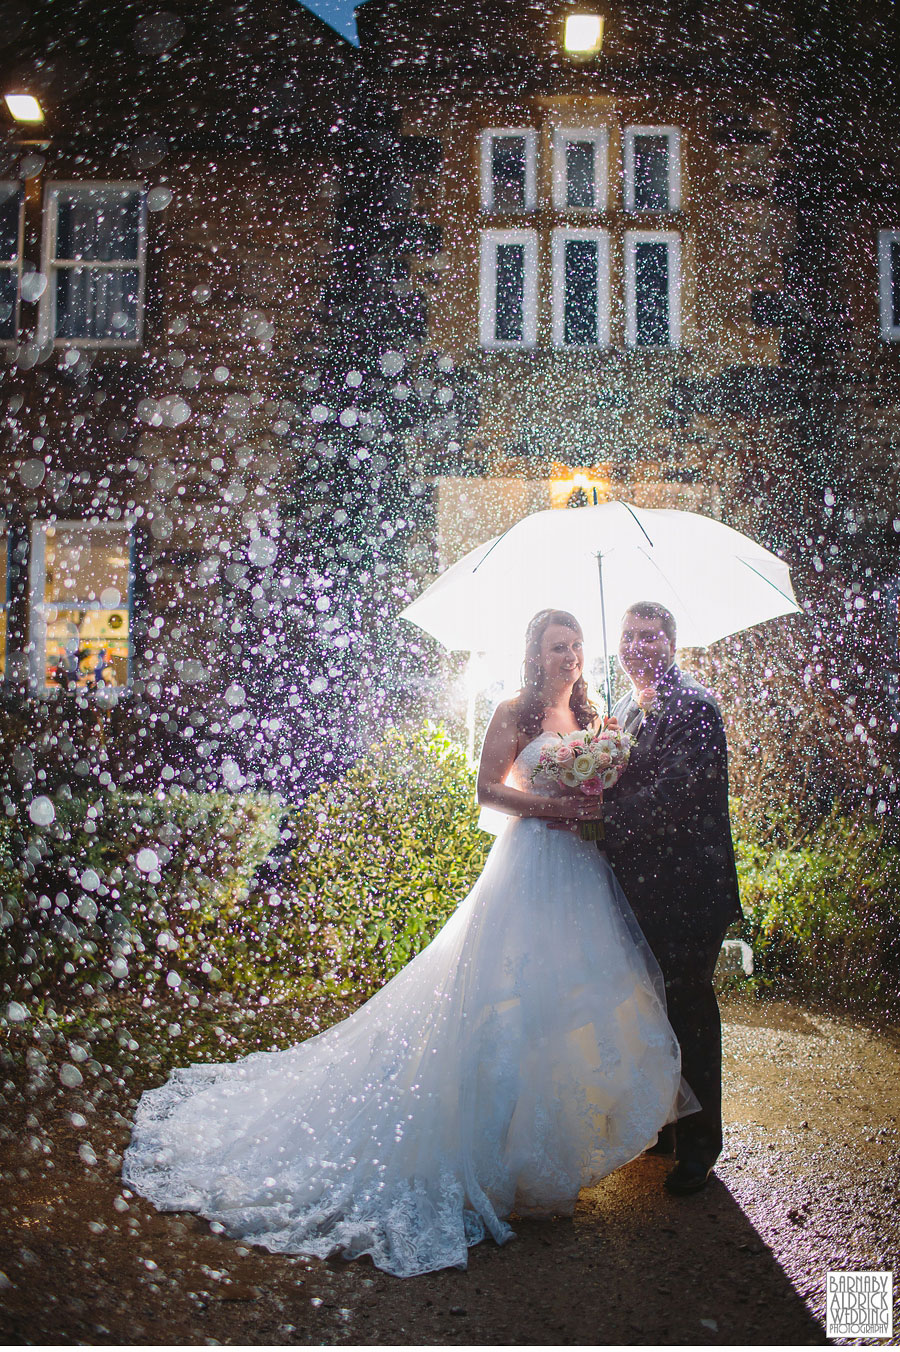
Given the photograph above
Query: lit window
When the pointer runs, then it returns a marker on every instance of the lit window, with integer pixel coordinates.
(583, 34)
(508, 169)
(652, 289)
(579, 169)
(80, 589)
(508, 287)
(95, 248)
(652, 169)
(889, 283)
(10, 258)
(580, 288)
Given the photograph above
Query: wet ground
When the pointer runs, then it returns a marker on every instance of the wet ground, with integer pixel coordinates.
(809, 1181)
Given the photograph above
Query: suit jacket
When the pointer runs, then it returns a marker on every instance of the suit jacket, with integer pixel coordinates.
(668, 834)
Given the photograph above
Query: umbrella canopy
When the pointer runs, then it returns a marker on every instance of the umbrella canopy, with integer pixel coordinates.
(713, 579)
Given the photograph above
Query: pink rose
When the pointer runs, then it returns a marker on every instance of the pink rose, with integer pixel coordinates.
(593, 787)
(563, 754)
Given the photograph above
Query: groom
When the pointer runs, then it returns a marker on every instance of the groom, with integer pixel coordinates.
(668, 837)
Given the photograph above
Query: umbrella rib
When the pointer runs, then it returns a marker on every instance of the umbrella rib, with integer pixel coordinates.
(494, 545)
(630, 509)
(773, 585)
(650, 559)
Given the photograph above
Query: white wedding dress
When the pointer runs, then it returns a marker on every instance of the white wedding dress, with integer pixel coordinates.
(523, 1055)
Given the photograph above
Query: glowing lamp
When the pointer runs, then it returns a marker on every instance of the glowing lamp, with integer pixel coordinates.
(24, 108)
(583, 34)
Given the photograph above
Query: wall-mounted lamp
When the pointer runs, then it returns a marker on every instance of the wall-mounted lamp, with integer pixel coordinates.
(583, 34)
(24, 107)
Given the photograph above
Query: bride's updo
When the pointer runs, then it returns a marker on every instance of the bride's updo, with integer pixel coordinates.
(529, 702)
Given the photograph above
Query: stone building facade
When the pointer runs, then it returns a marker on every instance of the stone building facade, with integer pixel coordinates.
(245, 262)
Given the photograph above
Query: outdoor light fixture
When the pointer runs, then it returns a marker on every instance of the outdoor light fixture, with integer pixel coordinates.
(24, 107)
(584, 34)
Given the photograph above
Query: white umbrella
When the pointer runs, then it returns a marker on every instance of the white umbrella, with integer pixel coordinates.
(596, 562)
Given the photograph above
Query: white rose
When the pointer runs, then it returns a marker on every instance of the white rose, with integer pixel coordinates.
(583, 767)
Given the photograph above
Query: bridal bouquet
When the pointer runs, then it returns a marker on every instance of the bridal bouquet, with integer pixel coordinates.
(588, 762)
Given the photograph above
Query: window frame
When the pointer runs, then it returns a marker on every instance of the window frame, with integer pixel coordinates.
(890, 332)
(38, 605)
(51, 266)
(16, 266)
(486, 139)
(559, 238)
(673, 239)
(599, 137)
(673, 134)
(487, 289)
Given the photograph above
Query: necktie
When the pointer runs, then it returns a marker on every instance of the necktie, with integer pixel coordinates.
(634, 716)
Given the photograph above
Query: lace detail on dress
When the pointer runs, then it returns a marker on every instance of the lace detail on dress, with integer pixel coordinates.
(523, 1055)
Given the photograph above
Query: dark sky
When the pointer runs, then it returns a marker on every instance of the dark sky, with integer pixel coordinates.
(339, 13)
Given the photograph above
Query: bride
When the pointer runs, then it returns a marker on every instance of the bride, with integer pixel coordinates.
(523, 1055)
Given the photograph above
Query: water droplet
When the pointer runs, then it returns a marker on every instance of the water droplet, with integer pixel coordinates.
(41, 811)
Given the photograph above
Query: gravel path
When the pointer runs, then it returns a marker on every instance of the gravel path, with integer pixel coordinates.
(809, 1181)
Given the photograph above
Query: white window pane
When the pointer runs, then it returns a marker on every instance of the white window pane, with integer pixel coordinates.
(508, 173)
(651, 286)
(581, 298)
(509, 309)
(651, 173)
(580, 173)
(100, 224)
(97, 303)
(10, 204)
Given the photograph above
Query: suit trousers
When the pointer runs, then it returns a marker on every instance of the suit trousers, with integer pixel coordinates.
(694, 1015)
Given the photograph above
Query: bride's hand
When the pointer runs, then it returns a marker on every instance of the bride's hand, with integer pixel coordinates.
(575, 807)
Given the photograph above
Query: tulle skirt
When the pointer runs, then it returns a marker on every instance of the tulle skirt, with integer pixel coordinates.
(523, 1055)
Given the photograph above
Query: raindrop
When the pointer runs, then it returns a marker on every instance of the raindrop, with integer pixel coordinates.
(70, 1076)
(41, 811)
(31, 473)
(16, 1013)
(157, 33)
(87, 1153)
(32, 286)
(159, 198)
(262, 551)
(31, 165)
(146, 860)
(392, 363)
(173, 980)
(90, 880)
(110, 598)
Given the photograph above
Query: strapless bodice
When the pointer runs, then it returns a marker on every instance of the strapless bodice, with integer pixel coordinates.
(525, 764)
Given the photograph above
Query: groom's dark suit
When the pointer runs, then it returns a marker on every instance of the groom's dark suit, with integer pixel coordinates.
(668, 838)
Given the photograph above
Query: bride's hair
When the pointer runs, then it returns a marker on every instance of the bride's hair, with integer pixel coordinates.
(529, 703)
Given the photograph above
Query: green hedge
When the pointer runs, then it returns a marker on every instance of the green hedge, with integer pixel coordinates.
(382, 858)
(376, 864)
(822, 911)
(133, 889)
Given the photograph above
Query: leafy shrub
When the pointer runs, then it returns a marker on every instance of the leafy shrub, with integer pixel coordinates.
(383, 856)
(133, 887)
(822, 910)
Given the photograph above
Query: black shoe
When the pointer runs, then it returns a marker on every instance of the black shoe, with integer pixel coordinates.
(688, 1176)
(665, 1142)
